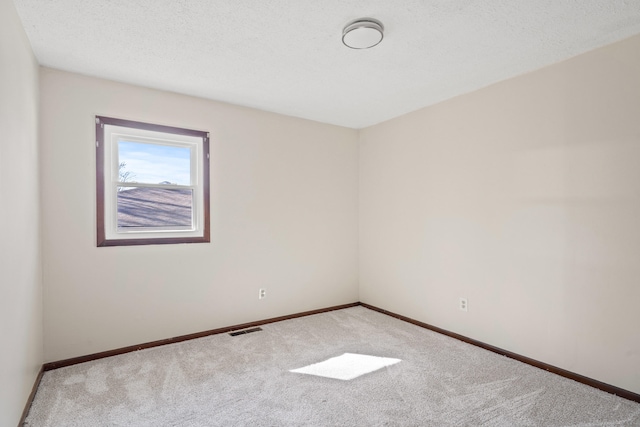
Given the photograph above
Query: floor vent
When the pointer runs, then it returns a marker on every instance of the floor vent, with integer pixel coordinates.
(246, 331)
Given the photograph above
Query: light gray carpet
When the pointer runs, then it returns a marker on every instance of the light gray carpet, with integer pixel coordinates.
(245, 381)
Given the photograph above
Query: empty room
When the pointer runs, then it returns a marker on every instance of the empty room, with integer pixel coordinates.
(329, 213)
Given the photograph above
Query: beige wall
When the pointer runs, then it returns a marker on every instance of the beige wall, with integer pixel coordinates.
(283, 217)
(20, 273)
(523, 197)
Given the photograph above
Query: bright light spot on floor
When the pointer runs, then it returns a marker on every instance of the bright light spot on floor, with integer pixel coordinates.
(347, 367)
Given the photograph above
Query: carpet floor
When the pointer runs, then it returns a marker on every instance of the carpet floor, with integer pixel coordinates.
(246, 380)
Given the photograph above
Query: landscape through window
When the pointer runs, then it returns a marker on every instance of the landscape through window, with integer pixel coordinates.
(166, 204)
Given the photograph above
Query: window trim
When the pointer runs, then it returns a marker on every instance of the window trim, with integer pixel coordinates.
(101, 168)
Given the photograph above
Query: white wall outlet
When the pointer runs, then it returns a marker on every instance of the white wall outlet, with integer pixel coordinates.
(464, 305)
(262, 294)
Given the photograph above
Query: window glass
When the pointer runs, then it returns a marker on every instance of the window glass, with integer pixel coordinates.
(153, 163)
(155, 207)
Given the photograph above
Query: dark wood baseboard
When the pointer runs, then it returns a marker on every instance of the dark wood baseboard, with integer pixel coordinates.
(81, 359)
(34, 390)
(554, 369)
(550, 368)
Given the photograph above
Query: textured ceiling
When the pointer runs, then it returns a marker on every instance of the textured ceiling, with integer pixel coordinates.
(286, 56)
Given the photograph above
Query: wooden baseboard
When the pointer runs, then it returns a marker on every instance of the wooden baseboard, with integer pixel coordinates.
(34, 390)
(550, 368)
(81, 359)
(554, 369)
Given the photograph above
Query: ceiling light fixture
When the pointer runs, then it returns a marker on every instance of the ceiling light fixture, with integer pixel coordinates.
(363, 33)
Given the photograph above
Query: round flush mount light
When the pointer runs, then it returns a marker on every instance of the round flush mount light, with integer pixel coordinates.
(363, 33)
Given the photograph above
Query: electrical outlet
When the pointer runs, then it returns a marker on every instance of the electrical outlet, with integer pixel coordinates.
(262, 294)
(464, 305)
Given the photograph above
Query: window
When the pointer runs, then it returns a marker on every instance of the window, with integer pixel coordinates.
(152, 183)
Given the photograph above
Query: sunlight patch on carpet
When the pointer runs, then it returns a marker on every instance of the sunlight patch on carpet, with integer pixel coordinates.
(347, 367)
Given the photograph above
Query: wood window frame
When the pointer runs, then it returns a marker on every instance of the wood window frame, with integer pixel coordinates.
(101, 168)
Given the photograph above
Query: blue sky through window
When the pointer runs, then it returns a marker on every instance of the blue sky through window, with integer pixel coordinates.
(155, 163)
